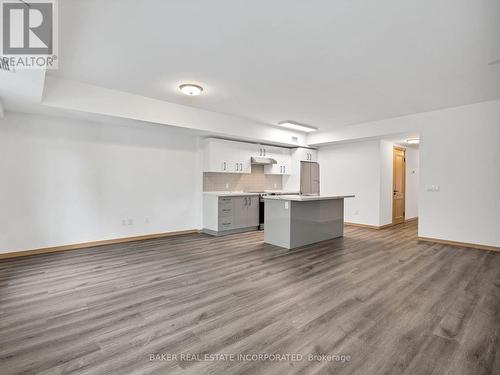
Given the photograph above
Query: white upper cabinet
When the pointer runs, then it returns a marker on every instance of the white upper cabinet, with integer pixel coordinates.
(246, 151)
(263, 151)
(307, 154)
(215, 157)
(224, 156)
(283, 158)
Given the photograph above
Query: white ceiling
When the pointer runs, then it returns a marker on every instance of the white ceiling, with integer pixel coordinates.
(326, 63)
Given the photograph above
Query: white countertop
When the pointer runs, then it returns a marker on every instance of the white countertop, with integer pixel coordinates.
(283, 192)
(229, 193)
(306, 198)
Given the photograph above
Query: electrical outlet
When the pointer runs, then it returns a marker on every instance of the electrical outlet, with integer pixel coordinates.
(130, 221)
(124, 222)
(275, 185)
(356, 212)
(147, 220)
(227, 186)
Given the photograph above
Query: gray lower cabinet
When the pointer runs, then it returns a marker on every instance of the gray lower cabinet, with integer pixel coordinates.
(233, 214)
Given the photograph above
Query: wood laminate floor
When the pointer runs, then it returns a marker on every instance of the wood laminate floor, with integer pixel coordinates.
(392, 304)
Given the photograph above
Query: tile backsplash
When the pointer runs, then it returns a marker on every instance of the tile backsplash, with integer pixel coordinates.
(255, 181)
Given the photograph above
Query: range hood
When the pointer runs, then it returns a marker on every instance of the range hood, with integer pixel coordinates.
(263, 161)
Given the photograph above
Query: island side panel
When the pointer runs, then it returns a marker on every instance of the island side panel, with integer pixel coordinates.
(277, 222)
(314, 221)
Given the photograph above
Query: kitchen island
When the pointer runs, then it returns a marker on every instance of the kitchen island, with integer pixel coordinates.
(297, 220)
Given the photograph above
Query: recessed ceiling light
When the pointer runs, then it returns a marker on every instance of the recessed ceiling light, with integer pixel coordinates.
(413, 141)
(191, 89)
(296, 126)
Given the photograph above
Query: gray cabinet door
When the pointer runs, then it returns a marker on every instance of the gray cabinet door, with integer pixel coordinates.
(253, 212)
(240, 212)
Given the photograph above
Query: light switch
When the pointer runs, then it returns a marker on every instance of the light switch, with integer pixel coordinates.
(286, 205)
(433, 188)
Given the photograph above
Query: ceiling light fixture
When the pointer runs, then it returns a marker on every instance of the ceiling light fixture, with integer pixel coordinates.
(296, 126)
(413, 141)
(191, 89)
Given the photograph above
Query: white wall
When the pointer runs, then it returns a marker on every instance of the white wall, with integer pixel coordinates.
(353, 169)
(459, 151)
(412, 181)
(386, 181)
(366, 170)
(68, 181)
(461, 155)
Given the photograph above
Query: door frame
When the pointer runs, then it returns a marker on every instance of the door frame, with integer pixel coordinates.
(394, 149)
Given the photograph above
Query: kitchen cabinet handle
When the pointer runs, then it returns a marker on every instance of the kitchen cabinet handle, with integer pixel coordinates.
(224, 165)
(241, 166)
(264, 152)
(284, 168)
(249, 201)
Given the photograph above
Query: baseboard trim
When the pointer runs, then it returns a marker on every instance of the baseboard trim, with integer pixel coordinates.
(378, 227)
(369, 226)
(412, 219)
(461, 244)
(366, 225)
(85, 245)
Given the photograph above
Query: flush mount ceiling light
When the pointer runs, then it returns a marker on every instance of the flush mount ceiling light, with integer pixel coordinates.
(297, 126)
(413, 141)
(191, 89)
